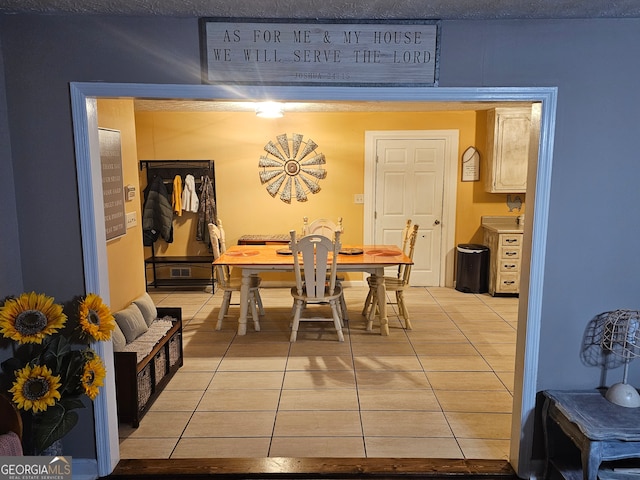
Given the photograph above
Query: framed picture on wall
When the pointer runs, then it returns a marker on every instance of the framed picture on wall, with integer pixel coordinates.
(314, 52)
(115, 221)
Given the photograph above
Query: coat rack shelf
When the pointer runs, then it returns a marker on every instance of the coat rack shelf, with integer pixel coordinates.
(180, 265)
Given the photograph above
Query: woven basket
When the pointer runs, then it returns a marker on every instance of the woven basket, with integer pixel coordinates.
(145, 387)
(160, 365)
(174, 349)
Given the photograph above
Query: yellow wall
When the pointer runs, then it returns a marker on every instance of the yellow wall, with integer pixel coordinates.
(235, 142)
(472, 201)
(125, 253)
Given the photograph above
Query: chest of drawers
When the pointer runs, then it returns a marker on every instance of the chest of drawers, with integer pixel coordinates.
(504, 261)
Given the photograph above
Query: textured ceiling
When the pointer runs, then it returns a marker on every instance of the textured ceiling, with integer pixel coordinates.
(327, 9)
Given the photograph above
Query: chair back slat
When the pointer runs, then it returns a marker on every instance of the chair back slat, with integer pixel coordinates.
(321, 226)
(223, 272)
(406, 233)
(222, 237)
(405, 271)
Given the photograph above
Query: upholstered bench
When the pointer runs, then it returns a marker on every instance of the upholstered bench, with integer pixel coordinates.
(147, 345)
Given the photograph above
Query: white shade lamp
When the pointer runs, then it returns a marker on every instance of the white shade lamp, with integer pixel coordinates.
(621, 337)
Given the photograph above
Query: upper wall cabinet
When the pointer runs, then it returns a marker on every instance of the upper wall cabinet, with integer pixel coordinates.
(508, 138)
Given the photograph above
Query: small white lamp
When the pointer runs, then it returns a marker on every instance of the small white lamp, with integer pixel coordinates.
(621, 336)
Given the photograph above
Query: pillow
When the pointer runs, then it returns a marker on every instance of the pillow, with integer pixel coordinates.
(131, 322)
(10, 445)
(147, 307)
(118, 339)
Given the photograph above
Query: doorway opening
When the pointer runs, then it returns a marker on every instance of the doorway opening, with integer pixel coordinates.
(84, 113)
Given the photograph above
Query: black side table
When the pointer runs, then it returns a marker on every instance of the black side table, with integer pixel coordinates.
(600, 429)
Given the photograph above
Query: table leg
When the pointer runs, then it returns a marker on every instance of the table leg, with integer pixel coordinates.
(382, 302)
(546, 426)
(591, 456)
(244, 302)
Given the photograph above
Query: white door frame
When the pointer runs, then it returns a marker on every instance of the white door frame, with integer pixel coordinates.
(84, 115)
(448, 219)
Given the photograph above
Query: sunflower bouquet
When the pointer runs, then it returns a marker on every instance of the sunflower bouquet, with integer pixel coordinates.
(52, 366)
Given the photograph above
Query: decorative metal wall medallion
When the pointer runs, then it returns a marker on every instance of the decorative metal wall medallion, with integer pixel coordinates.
(292, 165)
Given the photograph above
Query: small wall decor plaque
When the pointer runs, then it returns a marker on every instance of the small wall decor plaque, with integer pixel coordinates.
(470, 165)
(292, 167)
(284, 52)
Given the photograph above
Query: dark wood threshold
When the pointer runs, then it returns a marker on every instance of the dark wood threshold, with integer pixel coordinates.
(310, 468)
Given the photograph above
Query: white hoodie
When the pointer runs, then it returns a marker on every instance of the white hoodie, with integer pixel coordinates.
(190, 202)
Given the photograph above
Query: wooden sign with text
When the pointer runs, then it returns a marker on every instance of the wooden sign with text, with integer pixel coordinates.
(284, 53)
(115, 221)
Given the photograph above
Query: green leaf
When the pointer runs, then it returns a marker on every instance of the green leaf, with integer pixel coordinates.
(71, 372)
(71, 403)
(55, 351)
(53, 424)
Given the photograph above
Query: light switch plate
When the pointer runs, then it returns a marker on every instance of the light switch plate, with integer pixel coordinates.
(358, 198)
(132, 219)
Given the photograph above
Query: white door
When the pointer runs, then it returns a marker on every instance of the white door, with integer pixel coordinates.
(409, 184)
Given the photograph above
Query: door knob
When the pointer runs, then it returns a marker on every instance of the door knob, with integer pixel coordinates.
(437, 222)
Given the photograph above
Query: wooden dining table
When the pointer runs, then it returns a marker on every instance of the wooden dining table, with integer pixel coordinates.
(254, 259)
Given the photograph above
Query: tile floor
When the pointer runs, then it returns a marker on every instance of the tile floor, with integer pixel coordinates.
(441, 390)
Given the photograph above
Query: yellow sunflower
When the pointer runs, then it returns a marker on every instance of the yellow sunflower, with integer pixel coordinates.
(30, 318)
(95, 318)
(93, 376)
(35, 388)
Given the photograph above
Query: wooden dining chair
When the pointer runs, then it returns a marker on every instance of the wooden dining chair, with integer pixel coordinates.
(321, 226)
(231, 284)
(327, 228)
(318, 266)
(223, 248)
(397, 284)
(405, 242)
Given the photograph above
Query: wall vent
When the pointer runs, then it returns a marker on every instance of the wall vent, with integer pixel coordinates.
(183, 272)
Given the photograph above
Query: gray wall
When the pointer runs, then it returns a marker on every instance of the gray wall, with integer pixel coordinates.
(591, 263)
(591, 266)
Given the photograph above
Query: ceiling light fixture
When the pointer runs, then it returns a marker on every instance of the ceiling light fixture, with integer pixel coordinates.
(269, 110)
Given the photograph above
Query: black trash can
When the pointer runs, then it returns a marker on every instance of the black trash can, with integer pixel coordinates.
(472, 274)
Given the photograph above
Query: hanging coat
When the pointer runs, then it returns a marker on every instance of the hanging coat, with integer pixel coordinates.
(190, 202)
(176, 195)
(207, 212)
(157, 214)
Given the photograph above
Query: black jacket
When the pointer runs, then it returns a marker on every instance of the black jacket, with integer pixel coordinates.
(157, 214)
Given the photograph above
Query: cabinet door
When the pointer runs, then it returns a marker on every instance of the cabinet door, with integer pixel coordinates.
(508, 150)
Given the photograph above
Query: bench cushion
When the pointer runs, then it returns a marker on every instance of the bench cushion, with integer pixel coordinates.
(131, 322)
(143, 345)
(147, 307)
